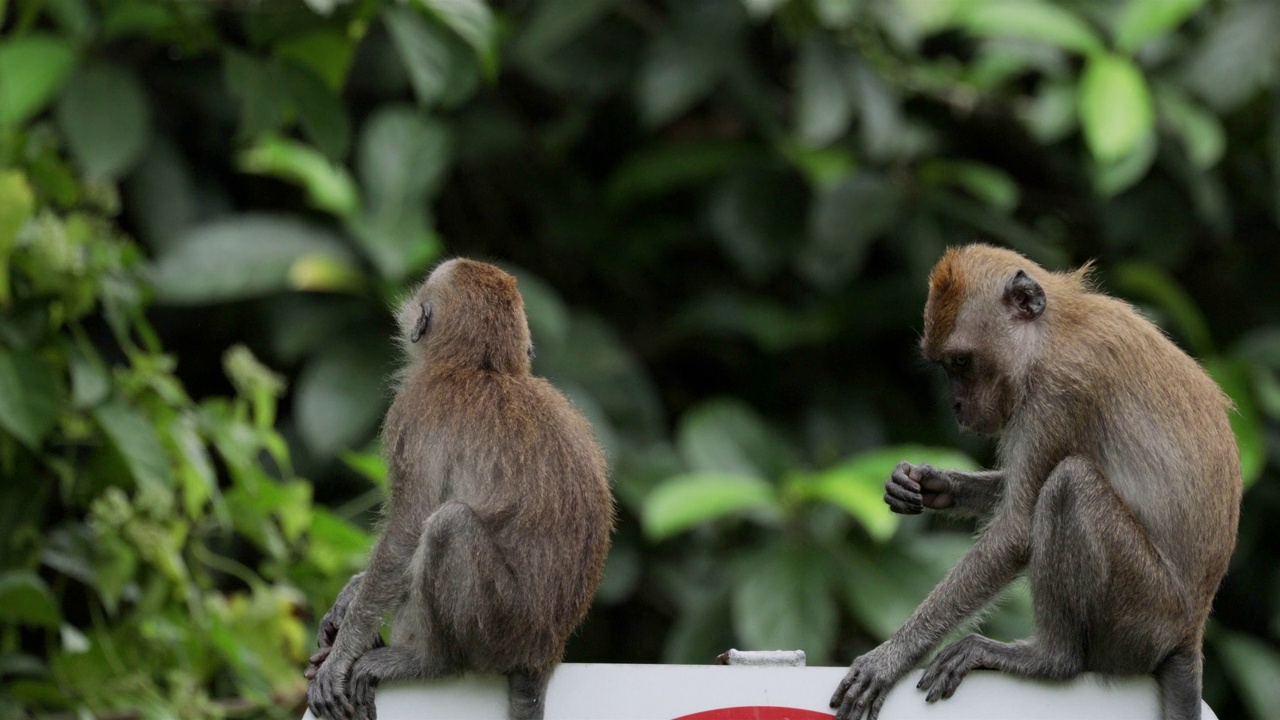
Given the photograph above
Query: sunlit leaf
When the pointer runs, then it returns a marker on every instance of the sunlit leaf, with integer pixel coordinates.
(726, 435)
(28, 396)
(686, 501)
(782, 600)
(329, 186)
(34, 68)
(106, 118)
(1115, 106)
(1030, 20)
(1142, 20)
(857, 485)
(25, 599)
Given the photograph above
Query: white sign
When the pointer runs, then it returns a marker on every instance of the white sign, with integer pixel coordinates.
(715, 692)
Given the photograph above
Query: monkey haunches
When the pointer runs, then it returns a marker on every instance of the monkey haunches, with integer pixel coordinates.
(1118, 490)
(499, 516)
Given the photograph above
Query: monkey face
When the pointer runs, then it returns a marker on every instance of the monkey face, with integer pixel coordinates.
(979, 393)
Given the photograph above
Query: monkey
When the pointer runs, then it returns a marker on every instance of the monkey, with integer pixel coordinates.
(1117, 489)
(499, 514)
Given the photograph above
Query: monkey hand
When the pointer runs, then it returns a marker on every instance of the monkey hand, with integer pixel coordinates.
(912, 488)
(324, 640)
(944, 674)
(867, 684)
(327, 694)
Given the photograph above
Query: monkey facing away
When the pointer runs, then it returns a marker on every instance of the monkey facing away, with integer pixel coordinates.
(499, 515)
(1118, 489)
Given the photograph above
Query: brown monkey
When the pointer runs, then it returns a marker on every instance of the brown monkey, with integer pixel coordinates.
(1118, 491)
(499, 516)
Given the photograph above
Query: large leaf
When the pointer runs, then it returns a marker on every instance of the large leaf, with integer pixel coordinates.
(857, 485)
(341, 393)
(401, 159)
(25, 599)
(34, 68)
(1030, 20)
(132, 435)
(104, 114)
(842, 223)
(823, 103)
(686, 501)
(423, 50)
(246, 256)
(1199, 130)
(782, 601)
(685, 62)
(321, 113)
(727, 436)
(1238, 56)
(473, 21)
(1115, 106)
(256, 84)
(28, 396)
(1142, 20)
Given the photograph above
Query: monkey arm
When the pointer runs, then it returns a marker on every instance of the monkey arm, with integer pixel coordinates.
(990, 565)
(913, 488)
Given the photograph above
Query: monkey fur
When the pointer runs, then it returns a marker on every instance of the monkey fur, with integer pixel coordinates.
(499, 516)
(1118, 491)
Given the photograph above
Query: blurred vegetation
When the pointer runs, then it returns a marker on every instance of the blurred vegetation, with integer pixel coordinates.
(721, 213)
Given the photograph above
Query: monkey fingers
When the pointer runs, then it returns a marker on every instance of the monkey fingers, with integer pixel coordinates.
(327, 695)
(865, 694)
(362, 695)
(902, 493)
(944, 674)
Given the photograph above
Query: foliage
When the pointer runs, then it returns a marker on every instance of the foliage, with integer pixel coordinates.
(721, 214)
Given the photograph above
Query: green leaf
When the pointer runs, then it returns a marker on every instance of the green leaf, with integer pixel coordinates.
(28, 396)
(132, 435)
(1114, 177)
(1142, 20)
(17, 200)
(1253, 667)
(989, 184)
(401, 160)
(473, 21)
(823, 102)
(857, 485)
(684, 63)
(325, 52)
(883, 587)
(756, 218)
(335, 545)
(1051, 114)
(1030, 20)
(321, 114)
(256, 85)
(1199, 130)
(661, 168)
(726, 435)
(339, 396)
(26, 600)
(1115, 106)
(554, 23)
(240, 257)
(104, 114)
(1237, 57)
(329, 186)
(685, 501)
(843, 221)
(782, 600)
(423, 50)
(370, 465)
(1155, 285)
(34, 68)
(1232, 375)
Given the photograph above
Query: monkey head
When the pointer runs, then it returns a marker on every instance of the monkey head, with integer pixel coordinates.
(984, 325)
(467, 313)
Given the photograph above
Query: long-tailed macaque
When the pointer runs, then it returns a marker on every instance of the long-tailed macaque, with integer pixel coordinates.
(499, 515)
(1118, 489)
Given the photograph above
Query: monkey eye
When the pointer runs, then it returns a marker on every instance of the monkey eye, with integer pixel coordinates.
(957, 363)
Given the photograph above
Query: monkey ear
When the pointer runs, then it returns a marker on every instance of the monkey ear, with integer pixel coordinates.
(1025, 295)
(421, 327)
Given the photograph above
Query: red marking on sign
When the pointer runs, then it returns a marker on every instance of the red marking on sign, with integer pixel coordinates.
(757, 712)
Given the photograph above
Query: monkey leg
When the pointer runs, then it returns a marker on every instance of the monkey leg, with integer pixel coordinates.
(1103, 599)
(1180, 676)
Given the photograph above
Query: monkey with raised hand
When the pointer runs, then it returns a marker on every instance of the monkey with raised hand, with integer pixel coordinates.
(1118, 490)
(499, 515)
